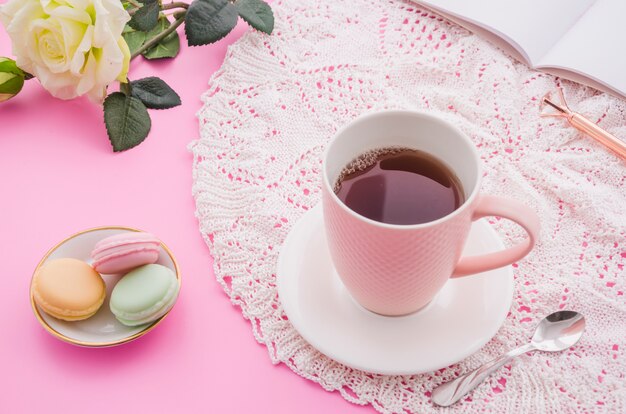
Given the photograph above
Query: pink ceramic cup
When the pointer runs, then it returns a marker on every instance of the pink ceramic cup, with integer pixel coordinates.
(395, 269)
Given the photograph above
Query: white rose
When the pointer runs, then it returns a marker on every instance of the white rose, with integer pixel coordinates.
(74, 47)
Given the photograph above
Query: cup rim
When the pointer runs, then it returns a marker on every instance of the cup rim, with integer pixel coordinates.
(413, 113)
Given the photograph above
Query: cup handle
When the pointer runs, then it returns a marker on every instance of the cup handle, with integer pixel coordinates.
(510, 209)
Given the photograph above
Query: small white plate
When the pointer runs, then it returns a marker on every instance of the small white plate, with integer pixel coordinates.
(463, 316)
(102, 329)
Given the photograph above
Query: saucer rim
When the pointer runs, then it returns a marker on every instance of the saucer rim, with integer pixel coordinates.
(508, 295)
(91, 344)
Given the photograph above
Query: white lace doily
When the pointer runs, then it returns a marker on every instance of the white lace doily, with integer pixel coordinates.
(278, 99)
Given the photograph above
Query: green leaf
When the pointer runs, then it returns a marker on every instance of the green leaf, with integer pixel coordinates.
(155, 93)
(166, 48)
(127, 121)
(10, 85)
(11, 79)
(257, 14)
(127, 5)
(134, 39)
(146, 17)
(9, 66)
(208, 21)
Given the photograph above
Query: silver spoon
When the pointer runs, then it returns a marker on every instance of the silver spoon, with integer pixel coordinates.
(556, 332)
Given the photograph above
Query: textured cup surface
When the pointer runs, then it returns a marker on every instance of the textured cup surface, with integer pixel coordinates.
(397, 269)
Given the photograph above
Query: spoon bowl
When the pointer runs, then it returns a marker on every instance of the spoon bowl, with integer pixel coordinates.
(558, 331)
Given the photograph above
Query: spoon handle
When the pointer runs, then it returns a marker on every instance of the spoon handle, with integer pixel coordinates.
(452, 391)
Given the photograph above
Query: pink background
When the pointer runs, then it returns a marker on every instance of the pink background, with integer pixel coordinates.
(59, 176)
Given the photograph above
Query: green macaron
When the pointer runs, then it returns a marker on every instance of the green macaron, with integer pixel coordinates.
(144, 295)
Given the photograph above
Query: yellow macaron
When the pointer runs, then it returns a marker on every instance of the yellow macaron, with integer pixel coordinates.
(68, 289)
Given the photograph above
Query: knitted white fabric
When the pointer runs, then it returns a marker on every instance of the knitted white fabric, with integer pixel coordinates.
(278, 99)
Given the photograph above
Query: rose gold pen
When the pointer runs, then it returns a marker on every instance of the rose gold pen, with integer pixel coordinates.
(584, 125)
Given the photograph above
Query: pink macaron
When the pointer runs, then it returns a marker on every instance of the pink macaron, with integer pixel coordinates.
(125, 251)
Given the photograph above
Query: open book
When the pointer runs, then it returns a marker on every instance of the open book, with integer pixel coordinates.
(580, 40)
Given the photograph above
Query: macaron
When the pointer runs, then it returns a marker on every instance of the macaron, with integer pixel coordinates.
(68, 289)
(144, 295)
(125, 251)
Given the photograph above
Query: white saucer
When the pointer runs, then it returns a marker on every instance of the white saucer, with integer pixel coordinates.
(463, 316)
(102, 329)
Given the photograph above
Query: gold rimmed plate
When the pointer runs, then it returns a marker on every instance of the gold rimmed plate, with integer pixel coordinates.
(102, 329)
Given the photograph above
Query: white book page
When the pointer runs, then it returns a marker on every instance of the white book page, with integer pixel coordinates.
(532, 27)
(595, 46)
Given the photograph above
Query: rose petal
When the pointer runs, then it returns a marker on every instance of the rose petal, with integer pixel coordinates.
(78, 16)
(83, 47)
